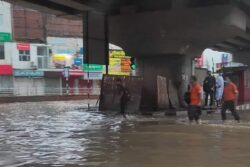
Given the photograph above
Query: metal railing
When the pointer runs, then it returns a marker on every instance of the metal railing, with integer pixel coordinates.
(45, 91)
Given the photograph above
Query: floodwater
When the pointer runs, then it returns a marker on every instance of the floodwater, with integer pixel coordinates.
(61, 134)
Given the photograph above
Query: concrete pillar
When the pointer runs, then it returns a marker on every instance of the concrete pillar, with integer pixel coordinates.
(179, 4)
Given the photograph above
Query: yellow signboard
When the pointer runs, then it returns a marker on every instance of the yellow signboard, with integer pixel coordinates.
(59, 57)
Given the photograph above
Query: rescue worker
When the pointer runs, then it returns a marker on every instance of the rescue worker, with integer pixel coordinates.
(230, 98)
(219, 89)
(124, 96)
(194, 110)
(209, 88)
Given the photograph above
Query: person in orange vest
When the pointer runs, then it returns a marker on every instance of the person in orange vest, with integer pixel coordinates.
(230, 98)
(194, 110)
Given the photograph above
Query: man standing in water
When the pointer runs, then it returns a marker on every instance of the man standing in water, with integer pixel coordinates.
(124, 96)
(209, 87)
(194, 110)
(219, 89)
(230, 98)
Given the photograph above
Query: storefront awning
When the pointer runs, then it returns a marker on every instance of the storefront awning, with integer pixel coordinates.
(6, 70)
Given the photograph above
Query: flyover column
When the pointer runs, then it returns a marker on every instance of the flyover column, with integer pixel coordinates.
(96, 38)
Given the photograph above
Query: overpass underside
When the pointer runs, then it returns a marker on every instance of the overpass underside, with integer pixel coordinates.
(164, 36)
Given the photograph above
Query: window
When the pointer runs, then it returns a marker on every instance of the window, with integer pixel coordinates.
(41, 51)
(24, 55)
(42, 57)
(2, 56)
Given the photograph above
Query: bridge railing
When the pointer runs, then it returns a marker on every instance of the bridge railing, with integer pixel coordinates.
(47, 91)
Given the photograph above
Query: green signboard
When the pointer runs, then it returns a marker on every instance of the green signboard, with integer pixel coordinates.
(5, 37)
(93, 67)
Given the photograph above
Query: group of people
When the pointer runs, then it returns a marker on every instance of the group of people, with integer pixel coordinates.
(226, 93)
(213, 88)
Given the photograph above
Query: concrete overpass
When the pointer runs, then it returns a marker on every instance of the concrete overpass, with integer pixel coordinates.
(164, 35)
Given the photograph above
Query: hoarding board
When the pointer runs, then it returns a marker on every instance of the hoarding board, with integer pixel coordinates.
(110, 101)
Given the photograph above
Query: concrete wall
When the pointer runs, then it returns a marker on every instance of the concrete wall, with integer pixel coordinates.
(27, 24)
(61, 27)
(168, 66)
(5, 17)
(32, 24)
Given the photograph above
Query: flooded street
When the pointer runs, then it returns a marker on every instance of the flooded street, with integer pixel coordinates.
(61, 134)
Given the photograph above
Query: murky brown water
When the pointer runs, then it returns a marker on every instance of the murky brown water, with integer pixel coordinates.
(58, 134)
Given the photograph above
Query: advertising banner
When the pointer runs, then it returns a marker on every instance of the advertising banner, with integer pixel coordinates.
(110, 101)
(125, 65)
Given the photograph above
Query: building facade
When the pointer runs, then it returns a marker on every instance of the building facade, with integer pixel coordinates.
(6, 71)
(36, 47)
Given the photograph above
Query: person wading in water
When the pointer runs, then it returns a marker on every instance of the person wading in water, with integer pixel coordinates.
(230, 98)
(194, 110)
(124, 96)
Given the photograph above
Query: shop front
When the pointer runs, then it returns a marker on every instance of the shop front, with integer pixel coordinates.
(53, 82)
(240, 75)
(93, 74)
(29, 82)
(74, 82)
(6, 79)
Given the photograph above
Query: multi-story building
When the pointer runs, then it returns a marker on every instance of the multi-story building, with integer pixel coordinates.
(32, 58)
(6, 70)
(34, 49)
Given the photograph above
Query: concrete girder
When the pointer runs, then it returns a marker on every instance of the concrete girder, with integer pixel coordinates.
(223, 48)
(240, 43)
(244, 39)
(165, 32)
(51, 7)
(74, 4)
(236, 44)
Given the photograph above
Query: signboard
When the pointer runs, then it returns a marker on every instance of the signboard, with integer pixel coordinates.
(224, 59)
(23, 46)
(109, 99)
(199, 61)
(66, 72)
(6, 70)
(93, 67)
(117, 54)
(78, 61)
(5, 37)
(76, 73)
(28, 73)
(93, 76)
(114, 65)
(81, 51)
(125, 64)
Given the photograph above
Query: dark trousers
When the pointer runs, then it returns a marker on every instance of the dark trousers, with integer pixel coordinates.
(194, 113)
(211, 94)
(123, 106)
(229, 105)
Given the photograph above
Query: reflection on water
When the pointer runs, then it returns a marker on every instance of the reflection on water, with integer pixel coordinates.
(59, 134)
